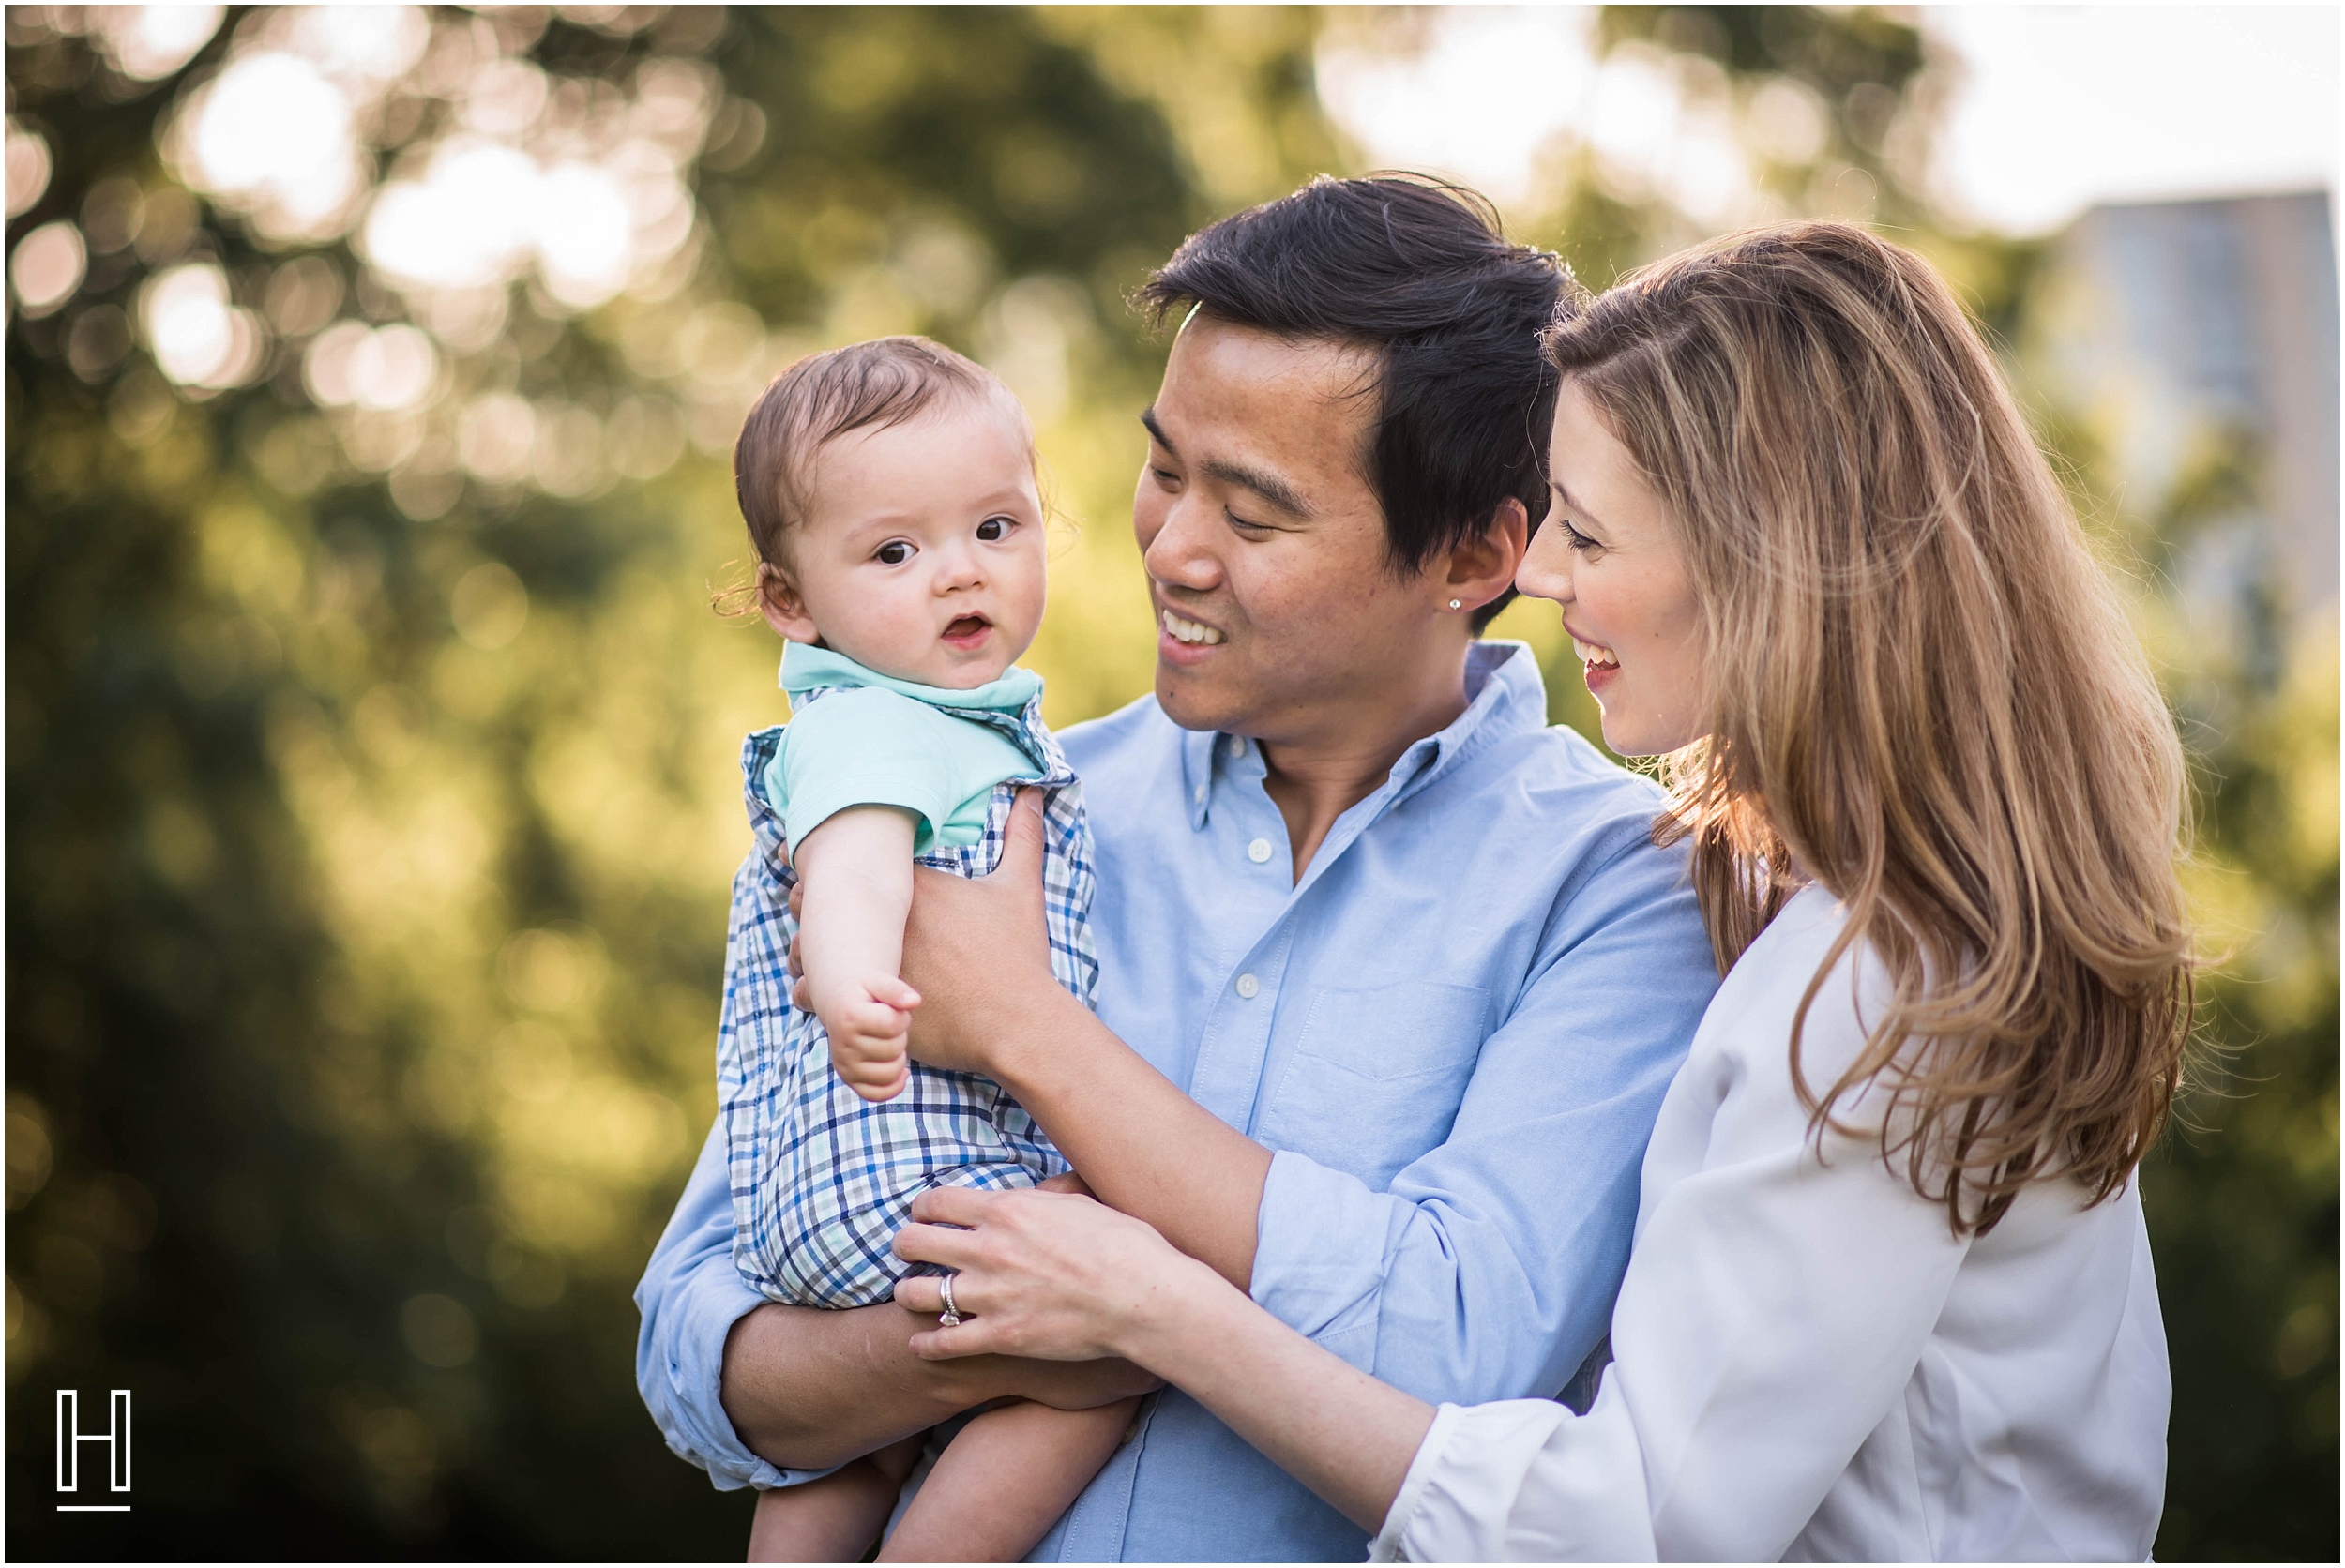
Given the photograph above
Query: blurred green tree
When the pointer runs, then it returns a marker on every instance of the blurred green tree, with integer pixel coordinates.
(372, 791)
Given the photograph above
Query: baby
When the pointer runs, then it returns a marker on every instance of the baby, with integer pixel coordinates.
(890, 496)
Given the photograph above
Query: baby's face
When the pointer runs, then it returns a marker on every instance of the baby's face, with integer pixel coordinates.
(923, 556)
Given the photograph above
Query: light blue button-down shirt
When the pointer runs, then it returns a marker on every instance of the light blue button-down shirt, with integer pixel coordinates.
(1455, 1032)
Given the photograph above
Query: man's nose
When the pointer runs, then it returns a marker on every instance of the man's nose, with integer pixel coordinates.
(1179, 555)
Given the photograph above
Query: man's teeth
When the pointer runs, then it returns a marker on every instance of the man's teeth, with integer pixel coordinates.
(1189, 631)
(1594, 652)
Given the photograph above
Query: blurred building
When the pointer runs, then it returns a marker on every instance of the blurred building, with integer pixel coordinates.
(2192, 334)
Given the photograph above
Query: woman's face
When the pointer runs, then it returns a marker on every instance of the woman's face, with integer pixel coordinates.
(1609, 555)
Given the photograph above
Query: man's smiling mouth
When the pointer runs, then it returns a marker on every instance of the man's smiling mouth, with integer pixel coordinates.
(1189, 631)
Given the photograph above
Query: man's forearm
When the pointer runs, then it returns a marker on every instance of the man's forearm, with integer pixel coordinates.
(1143, 1146)
(808, 1388)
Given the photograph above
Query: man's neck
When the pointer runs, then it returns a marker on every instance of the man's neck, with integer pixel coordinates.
(1314, 778)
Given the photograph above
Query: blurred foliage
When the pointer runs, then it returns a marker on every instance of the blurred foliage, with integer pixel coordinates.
(370, 830)
(372, 784)
(2242, 1196)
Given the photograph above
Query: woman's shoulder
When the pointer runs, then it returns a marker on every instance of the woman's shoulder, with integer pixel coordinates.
(1782, 982)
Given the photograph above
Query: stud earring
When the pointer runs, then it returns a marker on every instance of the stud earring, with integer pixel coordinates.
(1453, 604)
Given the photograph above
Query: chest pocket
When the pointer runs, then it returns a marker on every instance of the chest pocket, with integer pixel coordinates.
(1377, 1075)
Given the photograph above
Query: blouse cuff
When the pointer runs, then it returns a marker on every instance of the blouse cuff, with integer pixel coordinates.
(1386, 1547)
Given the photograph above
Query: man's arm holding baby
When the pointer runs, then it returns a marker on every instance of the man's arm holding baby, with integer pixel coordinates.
(753, 1391)
(808, 1389)
(1486, 1267)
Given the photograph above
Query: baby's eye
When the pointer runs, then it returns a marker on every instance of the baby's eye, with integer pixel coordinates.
(994, 530)
(895, 552)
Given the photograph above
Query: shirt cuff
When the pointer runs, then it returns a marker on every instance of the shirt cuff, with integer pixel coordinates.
(695, 1424)
(1321, 1248)
(1405, 1502)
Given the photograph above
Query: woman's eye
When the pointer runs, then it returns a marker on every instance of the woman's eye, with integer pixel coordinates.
(895, 552)
(1575, 539)
(994, 530)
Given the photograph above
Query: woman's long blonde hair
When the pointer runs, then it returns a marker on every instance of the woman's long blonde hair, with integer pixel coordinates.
(1921, 692)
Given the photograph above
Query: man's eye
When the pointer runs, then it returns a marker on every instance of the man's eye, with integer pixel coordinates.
(1243, 526)
(895, 552)
(1165, 477)
(994, 530)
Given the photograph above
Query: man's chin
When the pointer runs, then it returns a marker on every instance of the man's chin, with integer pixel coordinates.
(1196, 704)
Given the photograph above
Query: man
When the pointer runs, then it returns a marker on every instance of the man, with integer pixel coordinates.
(1392, 976)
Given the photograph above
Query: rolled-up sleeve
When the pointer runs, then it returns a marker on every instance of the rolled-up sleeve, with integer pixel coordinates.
(1488, 1266)
(691, 1292)
(691, 1297)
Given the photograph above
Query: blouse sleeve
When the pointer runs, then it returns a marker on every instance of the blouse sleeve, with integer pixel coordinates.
(1775, 1308)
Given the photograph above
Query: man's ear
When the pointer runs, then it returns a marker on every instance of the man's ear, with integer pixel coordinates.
(779, 601)
(1482, 568)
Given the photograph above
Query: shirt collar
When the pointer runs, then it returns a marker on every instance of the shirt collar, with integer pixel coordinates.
(805, 667)
(1506, 696)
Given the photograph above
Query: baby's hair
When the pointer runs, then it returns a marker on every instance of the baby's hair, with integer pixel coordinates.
(824, 396)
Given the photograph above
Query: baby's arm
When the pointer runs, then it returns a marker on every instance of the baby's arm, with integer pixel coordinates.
(856, 867)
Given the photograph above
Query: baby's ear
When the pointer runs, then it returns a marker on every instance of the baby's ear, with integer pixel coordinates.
(783, 607)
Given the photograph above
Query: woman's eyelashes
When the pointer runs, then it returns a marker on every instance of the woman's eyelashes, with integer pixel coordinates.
(1575, 539)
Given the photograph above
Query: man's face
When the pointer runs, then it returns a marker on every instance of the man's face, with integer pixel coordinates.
(1277, 617)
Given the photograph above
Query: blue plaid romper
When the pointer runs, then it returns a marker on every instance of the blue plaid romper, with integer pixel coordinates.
(821, 1179)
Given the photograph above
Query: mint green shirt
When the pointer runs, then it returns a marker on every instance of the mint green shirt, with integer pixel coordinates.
(886, 741)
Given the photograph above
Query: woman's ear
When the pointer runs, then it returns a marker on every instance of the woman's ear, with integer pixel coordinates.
(1483, 568)
(784, 609)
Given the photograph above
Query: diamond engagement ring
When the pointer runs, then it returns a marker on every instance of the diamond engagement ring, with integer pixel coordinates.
(950, 1316)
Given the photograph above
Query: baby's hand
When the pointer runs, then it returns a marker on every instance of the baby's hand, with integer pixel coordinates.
(870, 1034)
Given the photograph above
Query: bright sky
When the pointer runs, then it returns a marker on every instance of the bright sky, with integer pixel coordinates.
(2058, 106)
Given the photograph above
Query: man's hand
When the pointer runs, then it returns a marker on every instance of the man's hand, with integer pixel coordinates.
(979, 945)
(979, 949)
(869, 1023)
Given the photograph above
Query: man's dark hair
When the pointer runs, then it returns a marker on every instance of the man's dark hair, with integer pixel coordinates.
(1420, 272)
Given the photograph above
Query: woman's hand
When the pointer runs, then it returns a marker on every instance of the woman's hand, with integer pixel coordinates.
(1044, 1274)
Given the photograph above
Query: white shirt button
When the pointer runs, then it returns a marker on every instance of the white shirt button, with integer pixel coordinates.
(1259, 851)
(1237, 745)
(1201, 795)
(1249, 988)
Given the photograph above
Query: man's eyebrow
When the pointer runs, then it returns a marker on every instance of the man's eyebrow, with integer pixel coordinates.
(1268, 485)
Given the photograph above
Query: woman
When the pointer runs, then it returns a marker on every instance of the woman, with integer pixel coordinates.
(1891, 1294)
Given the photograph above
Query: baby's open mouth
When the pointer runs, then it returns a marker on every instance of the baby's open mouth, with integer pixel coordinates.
(966, 627)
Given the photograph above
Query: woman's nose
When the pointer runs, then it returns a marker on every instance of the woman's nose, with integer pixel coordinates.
(1546, 569)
